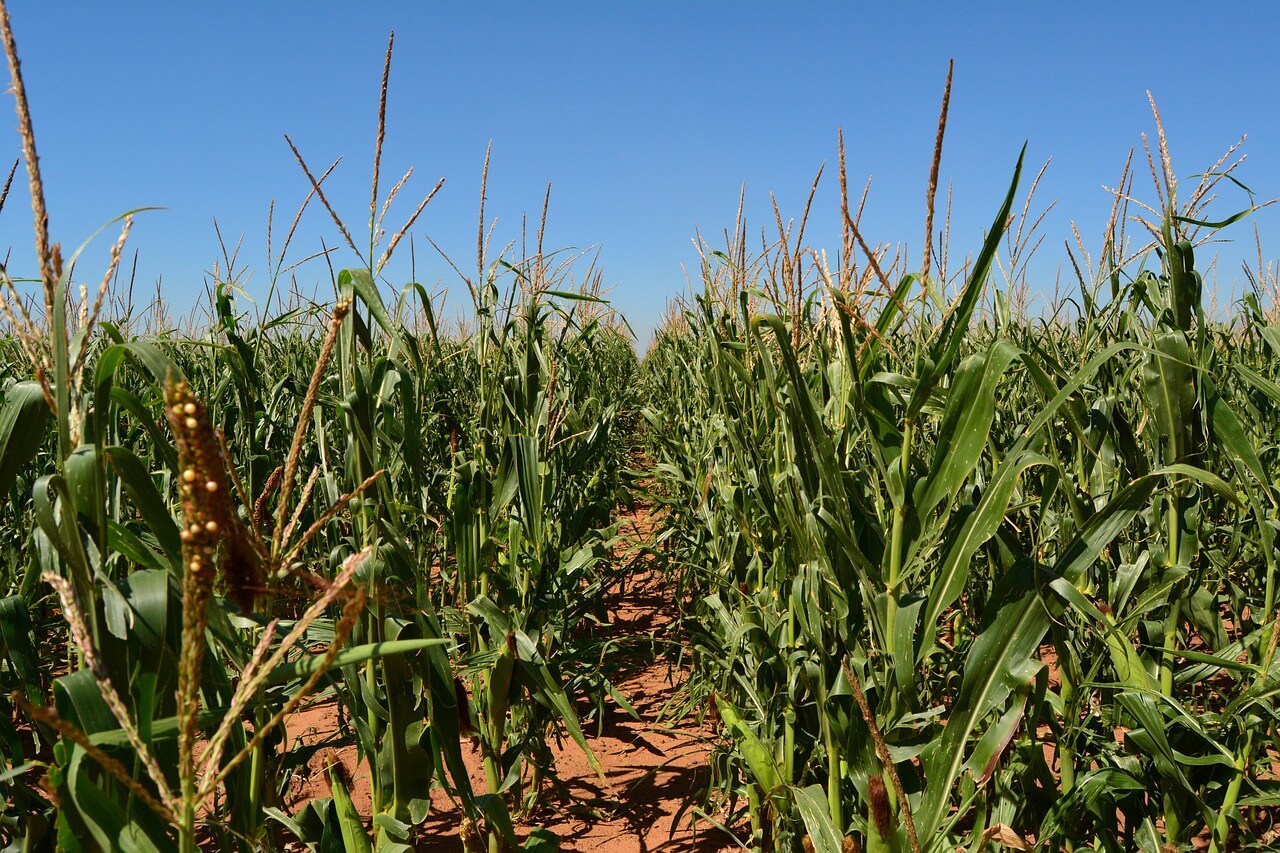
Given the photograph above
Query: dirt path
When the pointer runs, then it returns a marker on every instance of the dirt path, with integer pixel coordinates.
(652, 768)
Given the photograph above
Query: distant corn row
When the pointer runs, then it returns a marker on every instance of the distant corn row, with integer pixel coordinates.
(959, 577)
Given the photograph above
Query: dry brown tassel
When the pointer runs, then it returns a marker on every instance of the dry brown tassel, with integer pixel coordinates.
(881, 813)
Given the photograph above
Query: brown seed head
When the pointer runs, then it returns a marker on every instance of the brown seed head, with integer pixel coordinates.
(206, 504)
(881, 812)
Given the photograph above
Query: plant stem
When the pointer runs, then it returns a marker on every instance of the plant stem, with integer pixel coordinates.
(1223, 825)
(896, 543)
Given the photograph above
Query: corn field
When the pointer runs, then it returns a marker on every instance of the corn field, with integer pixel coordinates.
(947, 574)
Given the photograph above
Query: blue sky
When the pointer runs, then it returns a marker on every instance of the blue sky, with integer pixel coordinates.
(645, 118)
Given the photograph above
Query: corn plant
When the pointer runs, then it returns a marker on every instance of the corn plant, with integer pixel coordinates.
(502, 551)
(880, 553)
(182, 674)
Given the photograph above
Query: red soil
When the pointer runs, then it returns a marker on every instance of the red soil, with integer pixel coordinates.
(651, 768)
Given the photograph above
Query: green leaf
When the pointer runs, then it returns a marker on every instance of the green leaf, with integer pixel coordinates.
(541, 840)
(17, 648)
(151, 506)
(966, 424)
(308, 664)
(1103, 527)
(1002, 659)
(1171, 393)
(360, 283)
(980, 526)
(547, 690)
(24, 419)
(759, 759)
(354, 838)
(946, 343)
(812, 804)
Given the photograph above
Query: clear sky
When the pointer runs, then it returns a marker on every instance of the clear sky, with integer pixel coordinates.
(645, 117)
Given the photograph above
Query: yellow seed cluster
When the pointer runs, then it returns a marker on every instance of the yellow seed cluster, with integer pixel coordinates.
(205, 507)
(208, 514)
